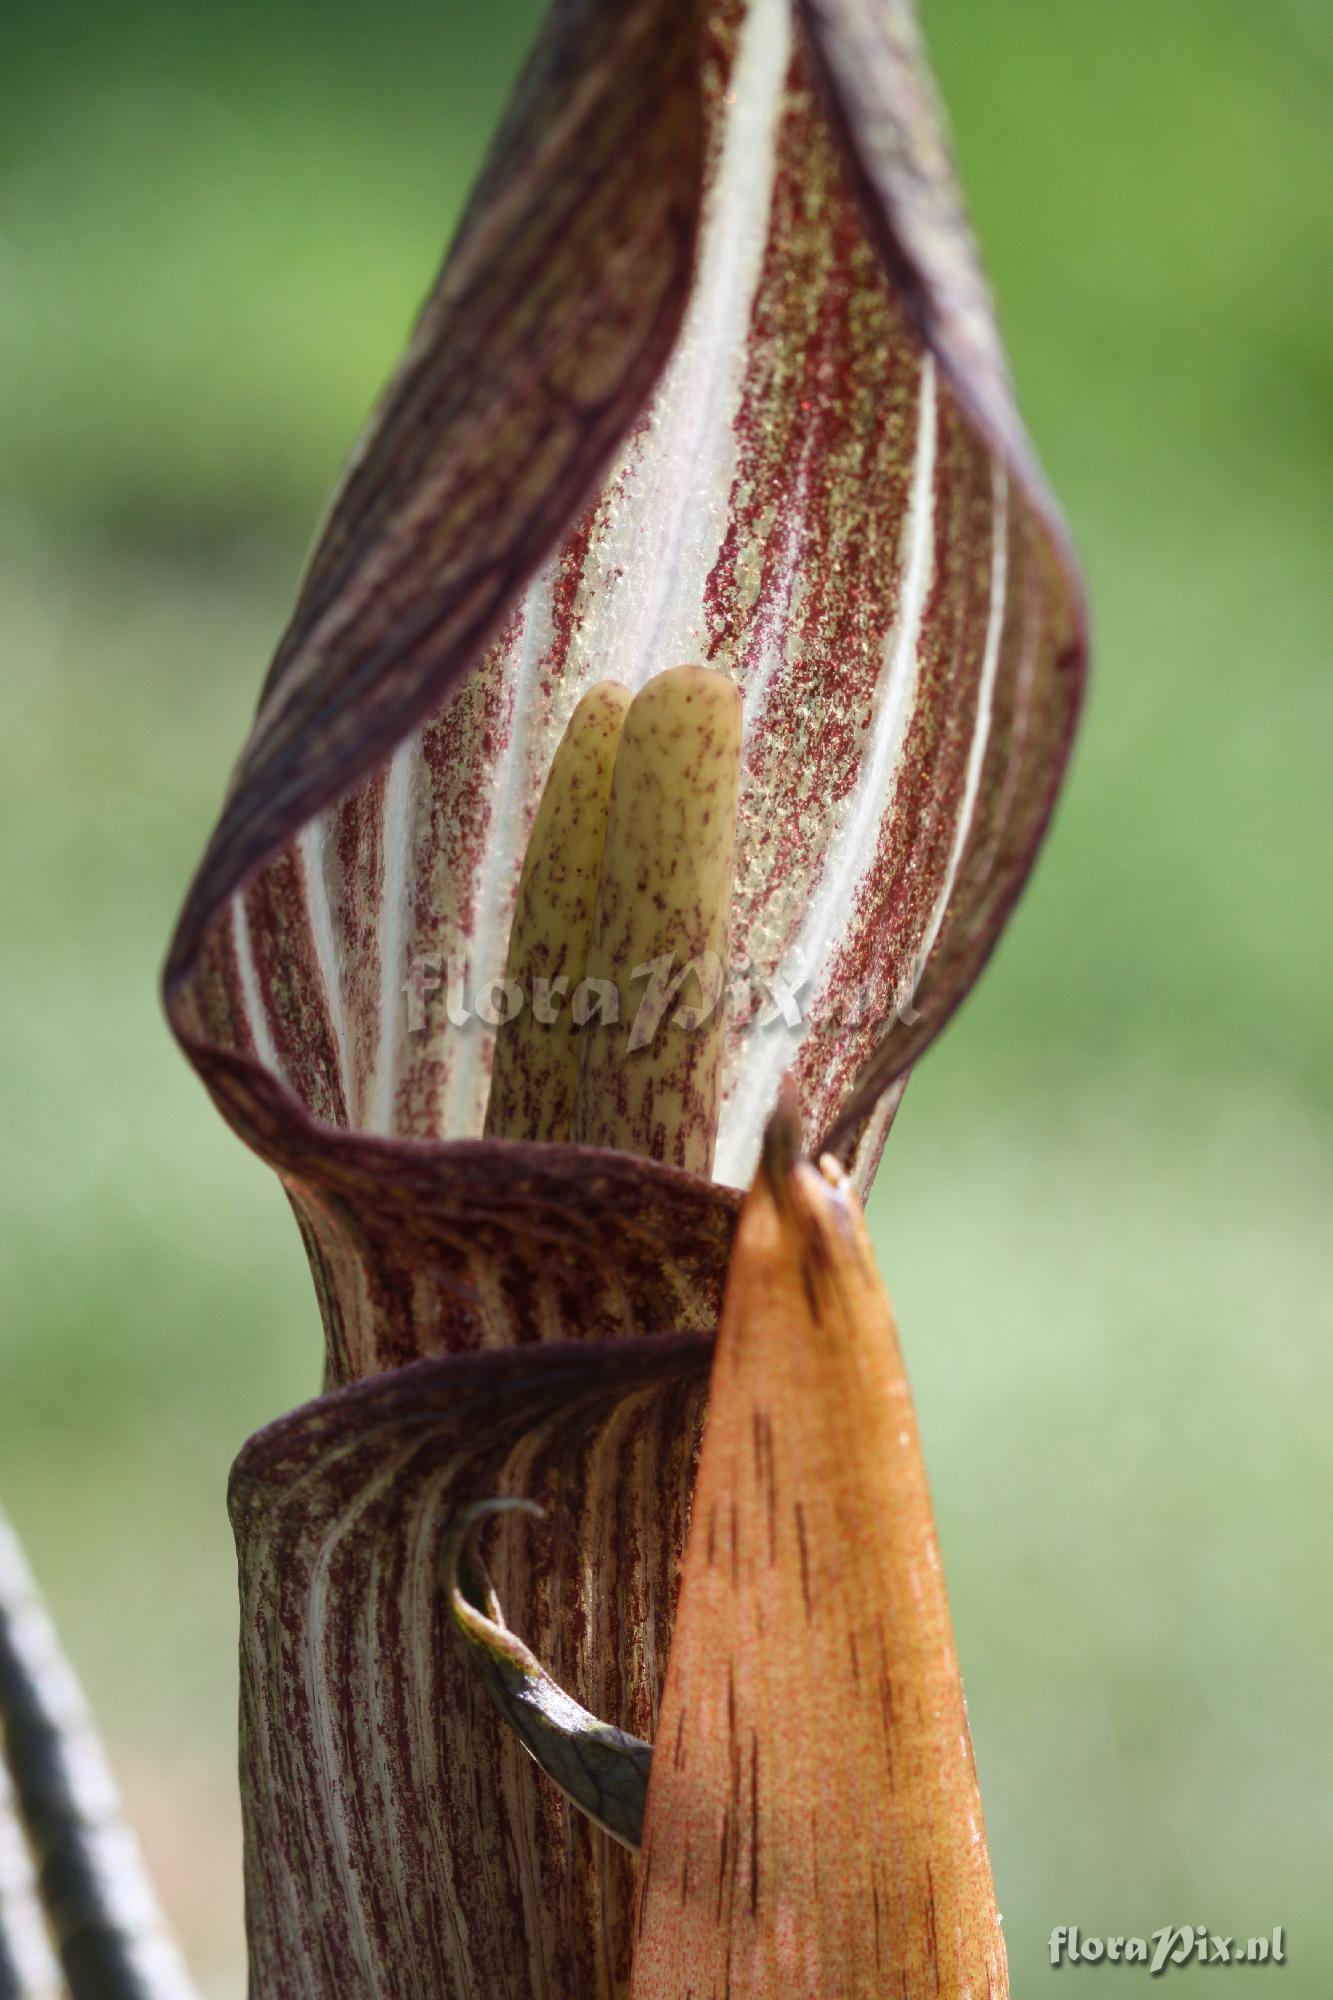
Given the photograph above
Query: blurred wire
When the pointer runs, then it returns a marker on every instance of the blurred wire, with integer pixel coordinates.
(107, 1928)
(28, 1969)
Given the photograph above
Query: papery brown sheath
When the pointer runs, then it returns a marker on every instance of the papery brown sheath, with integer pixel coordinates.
(709, 375)
(813, 1822)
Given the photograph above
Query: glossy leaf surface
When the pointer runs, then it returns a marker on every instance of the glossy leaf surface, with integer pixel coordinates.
(601, 1769)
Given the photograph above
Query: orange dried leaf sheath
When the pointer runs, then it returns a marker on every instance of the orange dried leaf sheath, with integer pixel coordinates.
(813, 1823)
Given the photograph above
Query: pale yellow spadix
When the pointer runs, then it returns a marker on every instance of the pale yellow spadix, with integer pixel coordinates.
(650, 1082)
(536, 1053)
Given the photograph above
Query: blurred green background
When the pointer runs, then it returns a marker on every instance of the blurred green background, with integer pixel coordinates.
(1105, 1210)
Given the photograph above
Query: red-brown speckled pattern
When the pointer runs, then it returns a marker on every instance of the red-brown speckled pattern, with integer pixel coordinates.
(902, 621)
(431, 1250)
(703, 379)
(399, 1840)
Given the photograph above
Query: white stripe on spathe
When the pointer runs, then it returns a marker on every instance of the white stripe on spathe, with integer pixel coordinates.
(990, 665)
(391, 930)
(769, 1051)
(325, 1698)
(312, 840)
(501, 863)
(661, 526)
(667, 511)
(252, 1000)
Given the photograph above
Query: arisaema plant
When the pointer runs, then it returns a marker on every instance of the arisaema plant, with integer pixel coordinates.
(692, 632)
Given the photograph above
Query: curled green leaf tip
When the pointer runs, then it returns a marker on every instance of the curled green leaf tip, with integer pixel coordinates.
(600, 1769)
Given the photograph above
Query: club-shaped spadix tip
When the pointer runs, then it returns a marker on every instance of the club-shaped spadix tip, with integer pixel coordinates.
(618, 950)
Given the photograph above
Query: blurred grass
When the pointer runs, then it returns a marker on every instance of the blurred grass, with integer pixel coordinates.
(1104, 1209)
